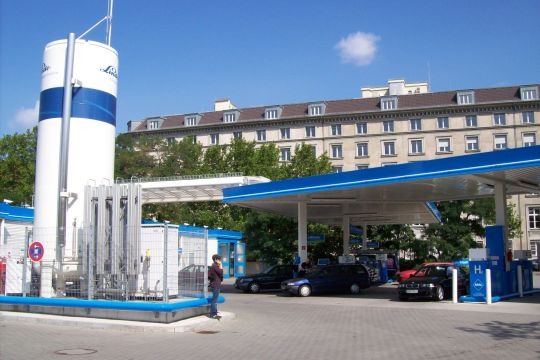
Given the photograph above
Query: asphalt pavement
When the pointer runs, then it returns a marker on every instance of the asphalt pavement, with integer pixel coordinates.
(371, 325)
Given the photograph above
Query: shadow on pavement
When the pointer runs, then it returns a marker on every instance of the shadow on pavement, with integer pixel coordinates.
(504, 330)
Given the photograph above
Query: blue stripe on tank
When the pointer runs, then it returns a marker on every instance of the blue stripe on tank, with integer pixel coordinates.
(87, 103)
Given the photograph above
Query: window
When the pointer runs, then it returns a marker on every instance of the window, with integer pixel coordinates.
(389, 148)
(310, 131)
(285, 133)
(528, 117)
(416, 146)
(261, 135)
(336, 129)
(190, 121)
(214, 139)
(362, 149)
(529, 93)
(316, 109)
(471, 143)
(534, 249)
(337, 169)
(444, 145)
(314, 149)
(388, 164)
(171, 140)
(193, 139)
(499, 119)
(500, 141)
(229, 117)
(534, 218)
(529, 139)
(389, 103)
(465, 98)
(237, 134)
(337, 151)
(361, 128)
(470, 121)
(416, 124)
(153, 124)
(285, 154)
(272, 113)
(362, 166)
(442, 122)
(388, 126)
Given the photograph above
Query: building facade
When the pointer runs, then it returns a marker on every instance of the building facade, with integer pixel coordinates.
(389, 125)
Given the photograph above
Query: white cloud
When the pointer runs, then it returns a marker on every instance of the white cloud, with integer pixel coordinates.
(358, 48)
(26, 117)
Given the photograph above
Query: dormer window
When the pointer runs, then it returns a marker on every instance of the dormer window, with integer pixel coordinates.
(529, 93)
(389, 103)
(317, 109)
(230, 116)
(191, 120)
(465, 98)
(152, 124)
(272, 113)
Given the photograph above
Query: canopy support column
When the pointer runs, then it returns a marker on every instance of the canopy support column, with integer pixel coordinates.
(302, 231)
(364, 236)
(346, 235)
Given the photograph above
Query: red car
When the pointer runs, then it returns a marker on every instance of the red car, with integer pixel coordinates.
(405, 274)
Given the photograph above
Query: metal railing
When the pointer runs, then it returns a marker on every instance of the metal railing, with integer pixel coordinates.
(176, 178)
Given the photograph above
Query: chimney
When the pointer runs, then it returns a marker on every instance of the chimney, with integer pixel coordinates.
(223, 104)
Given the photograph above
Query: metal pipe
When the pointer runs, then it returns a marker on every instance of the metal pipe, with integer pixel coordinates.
(454, 286)
(64, 147)
(165, 246)
(520, 281)
(25, 261)
(205, 287)
(109, 22)
(488, 286)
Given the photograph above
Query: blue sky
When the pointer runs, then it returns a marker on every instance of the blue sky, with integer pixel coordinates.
(179, 56)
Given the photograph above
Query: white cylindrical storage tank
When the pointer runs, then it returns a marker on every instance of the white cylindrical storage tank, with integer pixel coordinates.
(91, 137)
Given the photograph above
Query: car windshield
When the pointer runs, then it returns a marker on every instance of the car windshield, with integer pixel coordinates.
(433, 270)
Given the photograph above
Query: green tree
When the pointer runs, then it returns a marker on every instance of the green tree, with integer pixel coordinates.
(176, 158)
(304, 162)
(18, 166)
(134, 156)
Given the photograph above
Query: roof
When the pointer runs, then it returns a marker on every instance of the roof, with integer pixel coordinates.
(15, 213)
(348, 106)
(398, 194)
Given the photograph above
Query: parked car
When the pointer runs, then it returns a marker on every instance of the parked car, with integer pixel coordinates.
(535, 265)
(432, 281)
(191, 278)
(270, 279)
(340, 278)
(405, 274)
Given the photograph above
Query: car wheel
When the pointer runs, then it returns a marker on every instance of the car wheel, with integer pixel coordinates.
(304, 290)
(254, 288)
(355, 289)
(439, 293)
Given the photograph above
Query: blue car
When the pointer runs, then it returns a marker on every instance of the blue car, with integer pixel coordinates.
(342, 278)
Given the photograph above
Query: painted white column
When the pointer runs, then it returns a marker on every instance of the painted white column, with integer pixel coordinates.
(364, 236)
(302, 231)
(454, 286)
(500, 216)
(488, 286)
(346, 235)
(2, 230)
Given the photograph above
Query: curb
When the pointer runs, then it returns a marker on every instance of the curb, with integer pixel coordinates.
(186, 325)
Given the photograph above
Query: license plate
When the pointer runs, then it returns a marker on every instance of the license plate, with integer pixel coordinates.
(412, 291)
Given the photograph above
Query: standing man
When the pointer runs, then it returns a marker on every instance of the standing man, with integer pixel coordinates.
(215, 276)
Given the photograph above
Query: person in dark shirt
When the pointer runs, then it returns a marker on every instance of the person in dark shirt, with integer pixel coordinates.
(215, 276)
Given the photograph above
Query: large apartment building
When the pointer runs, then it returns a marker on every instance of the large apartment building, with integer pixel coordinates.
(389, 125)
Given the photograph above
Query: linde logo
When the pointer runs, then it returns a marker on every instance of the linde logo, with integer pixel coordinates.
(44, 67)
(111, 70)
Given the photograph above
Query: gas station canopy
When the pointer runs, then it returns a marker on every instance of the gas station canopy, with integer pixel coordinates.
(398, 194)
(192, 188)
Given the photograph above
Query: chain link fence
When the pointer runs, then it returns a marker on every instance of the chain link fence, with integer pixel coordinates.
(151, 262)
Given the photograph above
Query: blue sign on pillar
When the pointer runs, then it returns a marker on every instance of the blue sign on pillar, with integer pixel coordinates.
(478, 278)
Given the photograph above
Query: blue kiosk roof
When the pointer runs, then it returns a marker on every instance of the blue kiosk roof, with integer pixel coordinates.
(399, 194)
(15, 213)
